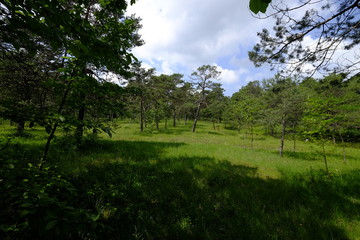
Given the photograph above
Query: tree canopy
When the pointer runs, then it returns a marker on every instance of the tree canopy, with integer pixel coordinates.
(311, 36)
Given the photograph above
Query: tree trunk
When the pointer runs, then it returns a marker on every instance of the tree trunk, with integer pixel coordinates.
(80, 127)
(283, 129)
(141, 114)
(196, 117)
(252, 136)
(20, 127)
(294, 140)
(343, 146)
(53, 130)
(157, 125)
(174, 119)
(324, 155)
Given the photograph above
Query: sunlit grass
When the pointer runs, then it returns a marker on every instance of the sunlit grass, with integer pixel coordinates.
(212, 184)
(236, 147)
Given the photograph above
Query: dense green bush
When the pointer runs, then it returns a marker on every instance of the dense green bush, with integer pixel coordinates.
(39, 204)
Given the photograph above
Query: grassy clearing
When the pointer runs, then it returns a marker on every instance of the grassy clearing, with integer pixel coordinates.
(173, 184)
(236, 147)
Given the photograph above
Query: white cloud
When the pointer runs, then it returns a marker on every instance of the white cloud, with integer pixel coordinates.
(180, 36)
(183, 35)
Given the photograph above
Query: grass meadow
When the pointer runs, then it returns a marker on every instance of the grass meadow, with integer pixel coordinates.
(211, 184)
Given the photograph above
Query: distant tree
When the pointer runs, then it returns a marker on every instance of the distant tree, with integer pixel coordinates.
(284, 104)
(248, 106)
(26, 87)
(139, 84)
(330, 113)
(333, 24)
(185, 103)
(216, 104)
(202, 81)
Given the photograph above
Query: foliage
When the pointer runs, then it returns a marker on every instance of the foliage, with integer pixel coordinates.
(332, 24)
(40, 204)
(203, 83)
(257, 6)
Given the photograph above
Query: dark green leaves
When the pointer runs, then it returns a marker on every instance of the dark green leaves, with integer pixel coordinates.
(257, 6)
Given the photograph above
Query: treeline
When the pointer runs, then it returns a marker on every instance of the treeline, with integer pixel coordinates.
(33, 91)
(322, 110)
(314, 109)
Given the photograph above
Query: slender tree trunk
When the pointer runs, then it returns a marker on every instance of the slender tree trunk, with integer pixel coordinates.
(20, 127)
(141, 113)
(174, 119)
(196, 117)
(80, 127)
(324, 155)
(157, 124)
(294, 141)
(294, 137)
(252, 136)
(343, 146)
(282, 140)
(53, 130)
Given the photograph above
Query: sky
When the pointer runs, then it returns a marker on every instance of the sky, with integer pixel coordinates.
(181, 36)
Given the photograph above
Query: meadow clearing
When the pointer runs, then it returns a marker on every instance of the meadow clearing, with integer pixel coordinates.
(174, 184)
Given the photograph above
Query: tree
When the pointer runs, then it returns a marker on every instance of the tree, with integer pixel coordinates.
(284, 104)
(139, 83)
(332, 113)
(202, 80)
(25, 86)
(91, 34)
(333, 25)
(216, 104)
(247, 106)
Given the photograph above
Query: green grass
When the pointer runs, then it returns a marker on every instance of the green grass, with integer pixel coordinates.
(212, 184)
(236, 148)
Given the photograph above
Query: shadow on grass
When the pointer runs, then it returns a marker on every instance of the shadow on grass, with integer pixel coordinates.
(199, 198)
(170, 131)
(215, 133)
(138, 151)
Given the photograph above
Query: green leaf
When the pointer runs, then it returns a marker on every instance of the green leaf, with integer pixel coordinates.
(107, 130)
(257, 6)
(51, 224)
(20, 12)
(94, 217)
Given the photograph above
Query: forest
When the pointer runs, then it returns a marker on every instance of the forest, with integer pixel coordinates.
(93, 145)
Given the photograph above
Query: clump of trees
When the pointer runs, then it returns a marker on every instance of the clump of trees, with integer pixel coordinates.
(54, 56)
(322, 110)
